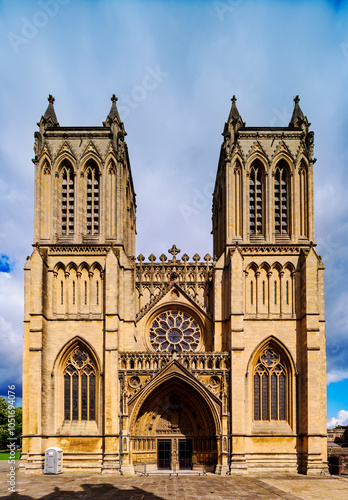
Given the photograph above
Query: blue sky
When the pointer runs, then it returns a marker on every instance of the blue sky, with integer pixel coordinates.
(196, 54)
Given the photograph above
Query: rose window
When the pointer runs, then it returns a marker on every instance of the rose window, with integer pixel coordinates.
(174, 330)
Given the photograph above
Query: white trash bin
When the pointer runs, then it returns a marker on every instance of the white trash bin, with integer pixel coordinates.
(53, 460)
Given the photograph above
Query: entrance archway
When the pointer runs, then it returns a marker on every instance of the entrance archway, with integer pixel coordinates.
(174, 427)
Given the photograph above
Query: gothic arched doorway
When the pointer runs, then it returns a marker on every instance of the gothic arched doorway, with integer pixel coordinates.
(175, 427)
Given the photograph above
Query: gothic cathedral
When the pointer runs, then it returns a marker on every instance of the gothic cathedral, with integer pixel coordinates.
(213, 364)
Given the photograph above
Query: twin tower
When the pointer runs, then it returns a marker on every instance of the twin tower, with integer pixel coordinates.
(215, 363)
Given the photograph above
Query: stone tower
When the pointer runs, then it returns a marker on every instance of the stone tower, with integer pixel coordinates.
(215, 364)
(269, 289)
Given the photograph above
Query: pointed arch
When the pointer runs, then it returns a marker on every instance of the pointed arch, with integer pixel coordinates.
(90, 159)
(78, 369)
(45, 160)
(251, 274)
(83, 266)
(59, 266)
(265, 266)
(66, 195)
(45, 194)
(64, 159)
(277, 266)
(257, 191)
(285, 158)
(70, 266)
(272, 372)
(91, 171)
(282, 196)
(97, 265)
(164, 379)
(238, 197)
(303, 198)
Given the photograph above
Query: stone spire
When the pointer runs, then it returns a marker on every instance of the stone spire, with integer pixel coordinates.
(49, 119)
(113, 116)
(232, 125)
(298, 119)
(234, 117)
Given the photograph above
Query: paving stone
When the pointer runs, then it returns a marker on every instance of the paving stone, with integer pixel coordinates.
(98, 487)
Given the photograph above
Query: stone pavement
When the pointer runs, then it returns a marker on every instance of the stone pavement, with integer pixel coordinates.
(87, 486)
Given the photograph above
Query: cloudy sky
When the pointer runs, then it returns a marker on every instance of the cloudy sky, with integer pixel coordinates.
(198, 54)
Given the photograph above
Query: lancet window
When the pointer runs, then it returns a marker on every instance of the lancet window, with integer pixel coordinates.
(270, 386)
(303, 201)
(79, 386)
(92, 200)
(68, 199)
(281, 199)
(256, 199)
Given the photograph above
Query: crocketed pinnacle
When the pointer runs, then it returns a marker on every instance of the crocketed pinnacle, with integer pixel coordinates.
(113, 115)
(298, 118)
(234, 116)
(50, 115)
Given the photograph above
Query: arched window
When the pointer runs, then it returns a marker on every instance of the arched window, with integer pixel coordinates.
(238, 199)
(303, 201)
(281, 199)
(92, 200)
(270, 386)
(68, 199)
(256, 199)
(263, 293)
(79, 386)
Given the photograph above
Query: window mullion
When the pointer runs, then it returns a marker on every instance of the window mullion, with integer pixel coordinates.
(92, 201)
(88, 397)
(71, 397)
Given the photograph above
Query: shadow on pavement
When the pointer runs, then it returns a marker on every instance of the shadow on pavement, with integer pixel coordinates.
(90, 491)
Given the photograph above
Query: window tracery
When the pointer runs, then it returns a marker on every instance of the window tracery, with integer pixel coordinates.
(79, 386)
(270, 378)
(281, 199)
(68, 193)
(175, 330)
(92, 200)
(256, 200)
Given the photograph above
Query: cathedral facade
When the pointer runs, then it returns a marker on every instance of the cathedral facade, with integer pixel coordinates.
(213, 363)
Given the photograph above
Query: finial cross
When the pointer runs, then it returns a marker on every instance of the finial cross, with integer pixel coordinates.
(234, 99)
(152, 258)
(174, 251)
(50, 98)
(163, 258)
(114, 98)
(297, 99)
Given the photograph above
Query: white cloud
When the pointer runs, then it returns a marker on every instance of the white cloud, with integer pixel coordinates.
(11, 331)
(336, 376)
(340, 419)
